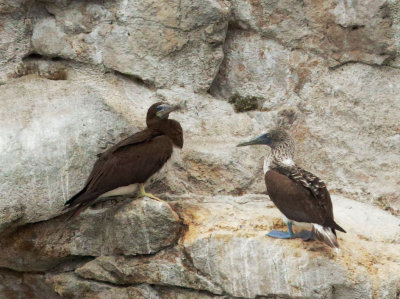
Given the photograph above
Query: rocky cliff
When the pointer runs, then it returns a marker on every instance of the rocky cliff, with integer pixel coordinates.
(78, 76)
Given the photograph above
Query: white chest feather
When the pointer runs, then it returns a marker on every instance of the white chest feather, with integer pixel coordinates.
(268, 161)
(288, 162)
(267, 164)
(121, 191)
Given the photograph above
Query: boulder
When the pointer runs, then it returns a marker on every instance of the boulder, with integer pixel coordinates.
(169, 268)
(68, 285)
(158, 42)
(226, 240)
(129, 228)
(339, 32)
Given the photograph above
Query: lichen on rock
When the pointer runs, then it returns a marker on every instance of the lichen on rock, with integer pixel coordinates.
(243, 104)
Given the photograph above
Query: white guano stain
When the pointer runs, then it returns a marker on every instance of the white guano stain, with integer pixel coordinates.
(233, 270)
(243, 254)
(144, 228)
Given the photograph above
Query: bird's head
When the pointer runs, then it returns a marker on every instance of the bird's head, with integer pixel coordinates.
(160, 110)
(274, 138)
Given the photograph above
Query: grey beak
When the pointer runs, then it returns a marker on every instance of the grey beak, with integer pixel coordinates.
(258, 140)
(167, 110)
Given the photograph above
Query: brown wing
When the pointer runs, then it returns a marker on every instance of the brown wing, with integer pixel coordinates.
(138, 137)
(301, 200)
(129, 163)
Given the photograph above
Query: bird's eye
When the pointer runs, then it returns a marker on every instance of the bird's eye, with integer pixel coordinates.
(159, 108)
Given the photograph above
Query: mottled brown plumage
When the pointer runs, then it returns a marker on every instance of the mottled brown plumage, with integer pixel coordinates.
(133, 160)
(298, 194)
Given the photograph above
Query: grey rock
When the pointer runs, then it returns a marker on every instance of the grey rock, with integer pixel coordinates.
(353, 139)
(68, 285)
(138, 227)
(15, 37)
(227, 241)
(164, 43)
(169, 268)
(260, 67)
(181, 293)
(25, 285)
(337, 31)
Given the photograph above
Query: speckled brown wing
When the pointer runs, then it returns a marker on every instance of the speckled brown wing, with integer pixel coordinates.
(305, 178)
(133, 160)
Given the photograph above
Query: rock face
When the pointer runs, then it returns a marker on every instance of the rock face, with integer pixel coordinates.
(337, 31)
(15, 37)
(166, 268)
(227, 241)
(159, 42)
(78, 76)
(140, 227)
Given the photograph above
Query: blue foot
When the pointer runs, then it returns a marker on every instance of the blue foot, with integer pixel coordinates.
(305, 235)
(280, 235)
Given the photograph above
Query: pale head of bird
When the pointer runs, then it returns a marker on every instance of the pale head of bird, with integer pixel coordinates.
(278, 139)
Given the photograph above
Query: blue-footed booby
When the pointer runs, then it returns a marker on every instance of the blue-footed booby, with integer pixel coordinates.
(302, 197)
(131, 162)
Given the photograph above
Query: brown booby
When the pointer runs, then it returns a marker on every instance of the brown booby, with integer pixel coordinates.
(132, 161)
(302, 197)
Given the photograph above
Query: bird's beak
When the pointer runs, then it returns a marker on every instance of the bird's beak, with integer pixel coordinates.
(167, 109)
(259, 140)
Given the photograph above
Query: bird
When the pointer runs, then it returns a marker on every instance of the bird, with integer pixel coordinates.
(301, 196)
(131, 162)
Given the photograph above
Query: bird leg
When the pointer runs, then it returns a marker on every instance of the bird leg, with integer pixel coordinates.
(304, 234)
(143, 193)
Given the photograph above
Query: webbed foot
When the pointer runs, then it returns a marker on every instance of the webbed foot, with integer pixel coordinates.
(280, 234)
(143, 193)
(150, 196)
(305, 235)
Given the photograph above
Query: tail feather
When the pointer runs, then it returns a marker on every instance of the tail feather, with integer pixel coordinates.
(80, 202)
(70, 202)
(332, 224)
(326, 235)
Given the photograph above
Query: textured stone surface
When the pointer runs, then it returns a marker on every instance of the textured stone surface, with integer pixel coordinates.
(227, 241)
(164, 43)
(338, 31)
(24, 285)
(261, 67)
(15, 37)
(137, 227)
(178, 293)
(69, 285)
(354, 132)
(166, 268)
(78, 76)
